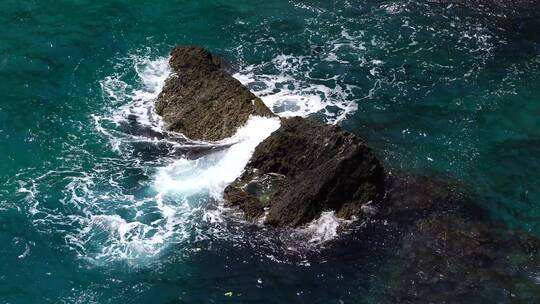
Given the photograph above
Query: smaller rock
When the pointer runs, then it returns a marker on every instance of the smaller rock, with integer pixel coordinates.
(202, 100)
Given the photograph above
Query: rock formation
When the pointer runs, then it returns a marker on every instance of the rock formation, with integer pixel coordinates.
(436, 239)
(301, 170)
(201, 100)
(304, 168)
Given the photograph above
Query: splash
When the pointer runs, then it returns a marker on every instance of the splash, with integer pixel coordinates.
(182, 193)
(324, 228)
(212, 173)
(137, 101)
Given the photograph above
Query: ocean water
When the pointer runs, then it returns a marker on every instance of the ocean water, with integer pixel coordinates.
(98, 204)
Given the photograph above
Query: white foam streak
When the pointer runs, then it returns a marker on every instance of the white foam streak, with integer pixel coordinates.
(212, 173)
(30, 197)
(140, 101)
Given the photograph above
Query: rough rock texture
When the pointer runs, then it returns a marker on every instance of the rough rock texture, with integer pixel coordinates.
(304, 168)
(201, 100)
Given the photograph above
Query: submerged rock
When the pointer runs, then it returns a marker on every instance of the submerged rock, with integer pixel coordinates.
(304, 168)
(411, 197)
(446, 258)
(443, 248)
(202, 100)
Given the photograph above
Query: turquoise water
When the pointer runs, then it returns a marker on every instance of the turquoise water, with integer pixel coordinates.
(94, 211)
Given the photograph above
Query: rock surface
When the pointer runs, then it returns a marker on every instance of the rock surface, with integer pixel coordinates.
(304, 168)
(202, 100)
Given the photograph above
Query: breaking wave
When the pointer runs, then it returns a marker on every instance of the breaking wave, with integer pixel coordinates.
(155, 188)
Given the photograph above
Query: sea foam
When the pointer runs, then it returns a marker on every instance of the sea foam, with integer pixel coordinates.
(213, 172)
(172, 199)
(287, 95)
(180, 188)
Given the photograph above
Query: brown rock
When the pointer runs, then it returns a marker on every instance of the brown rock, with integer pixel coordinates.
(201, 100)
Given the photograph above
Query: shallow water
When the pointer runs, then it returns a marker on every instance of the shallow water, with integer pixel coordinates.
(99, 205)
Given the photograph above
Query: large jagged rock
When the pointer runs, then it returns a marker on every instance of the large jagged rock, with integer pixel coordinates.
(304, 168)
(202, 100)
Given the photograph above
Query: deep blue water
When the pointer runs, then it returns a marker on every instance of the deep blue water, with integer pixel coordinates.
(93, 212)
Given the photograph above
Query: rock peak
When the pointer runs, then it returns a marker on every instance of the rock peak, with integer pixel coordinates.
(202, 100)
